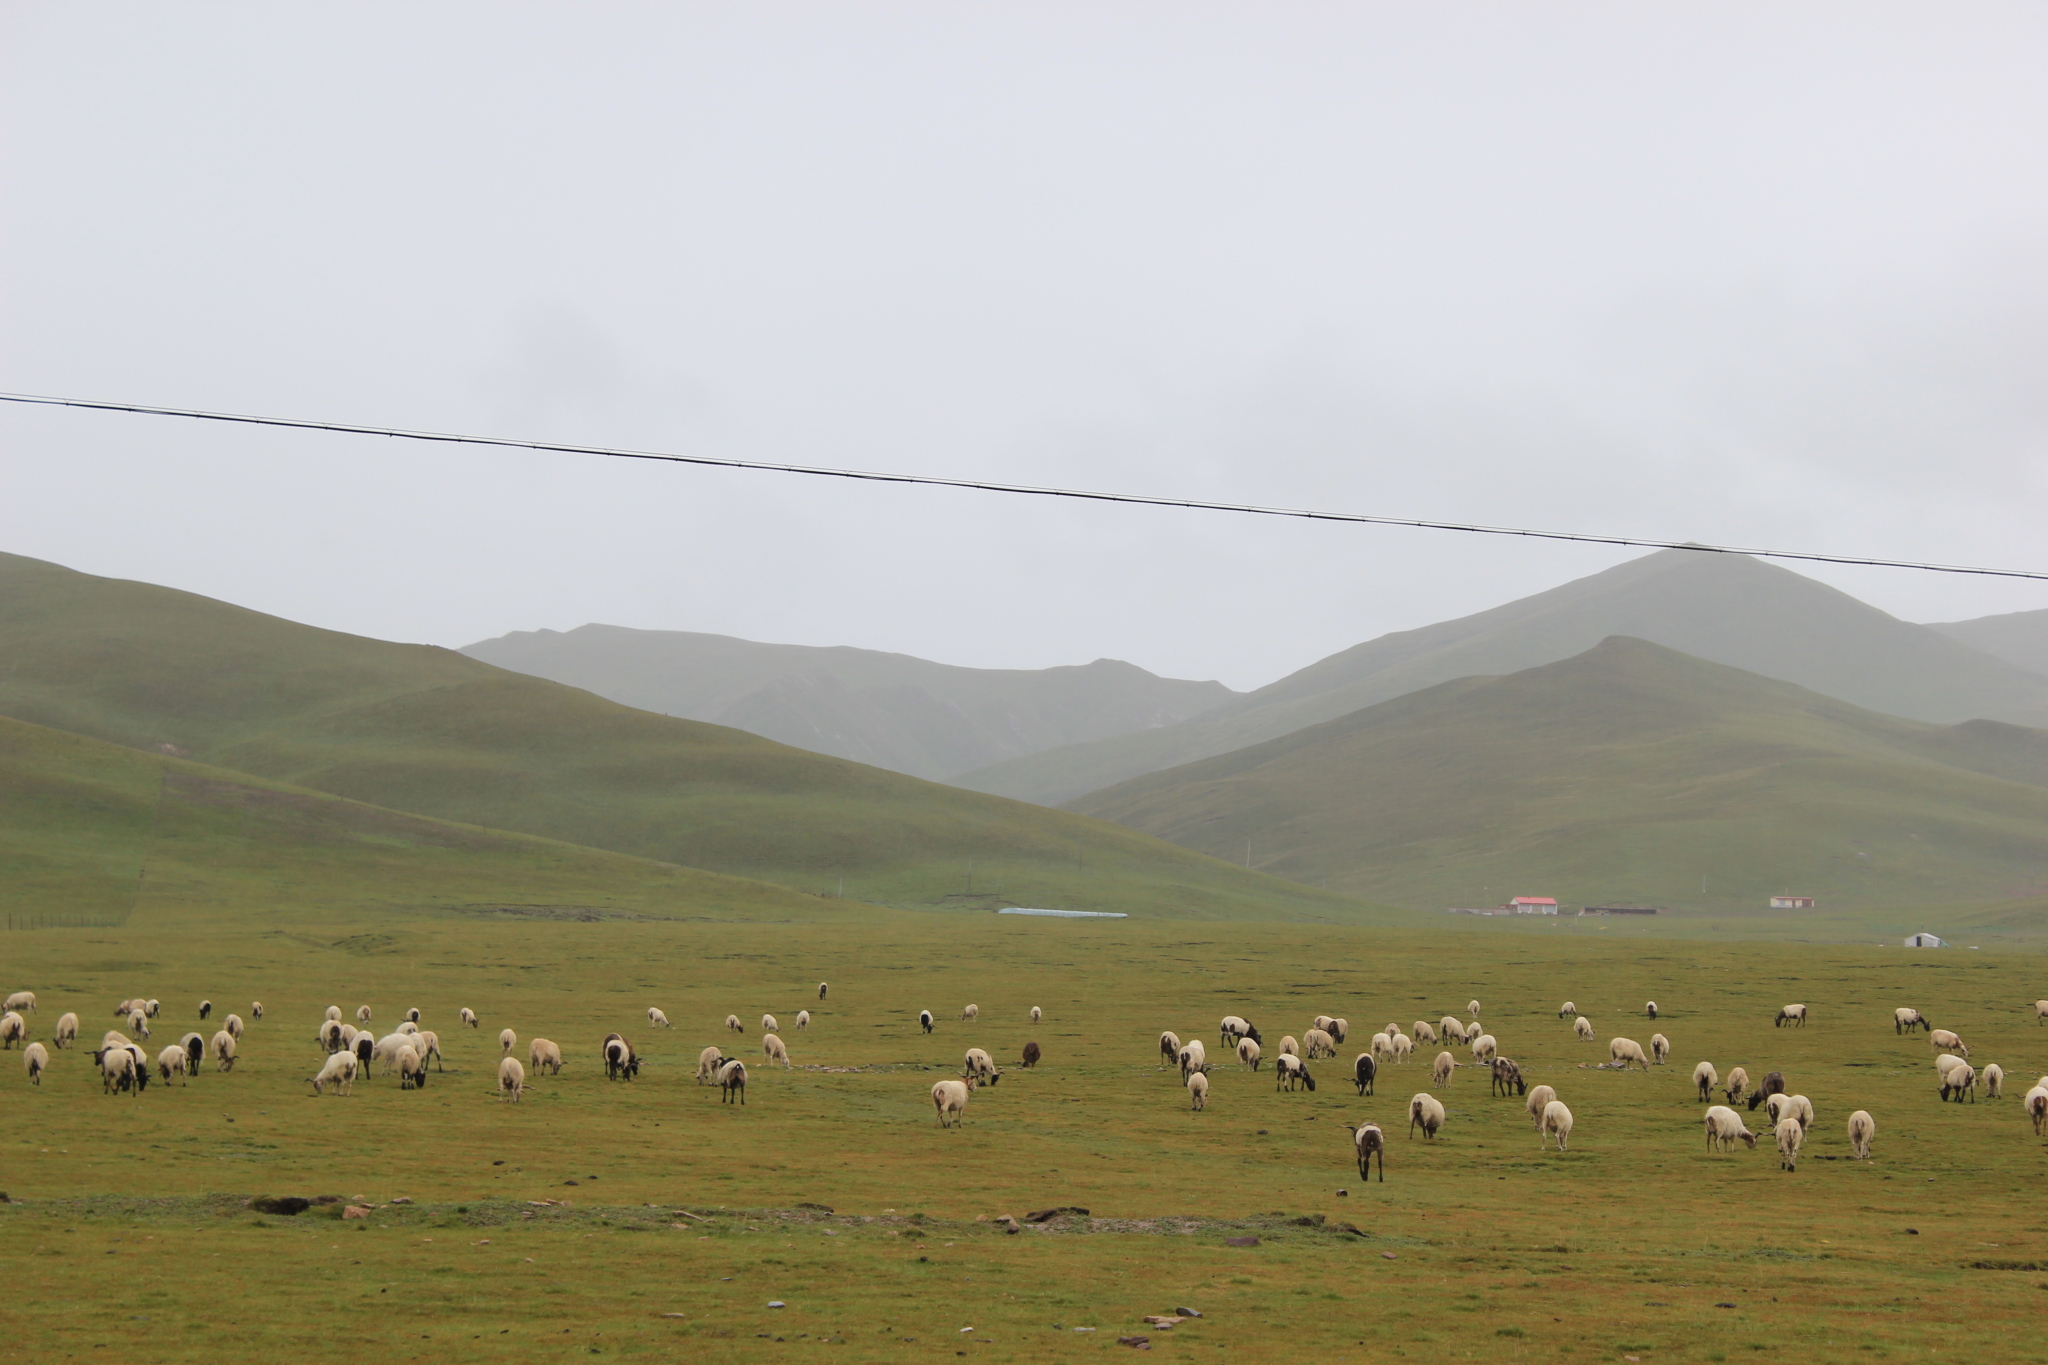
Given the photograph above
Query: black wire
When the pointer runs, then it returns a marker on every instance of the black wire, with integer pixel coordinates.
(1029, 490)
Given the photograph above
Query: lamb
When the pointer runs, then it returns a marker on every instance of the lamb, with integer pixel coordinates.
(1738, 1085)
(1193, 1057)
(768, 1024)
(1453, 1031)
(656, 1019)
(950, 1099)
(1862, 1128)
(67, 1030)
(1036, 1014)
(339, 1072)
(1441, 1071)
(924, 1020)
(1291, 1071)
(1198, 1090)
(1790, 1135)
(543, 1054)
(1032, 1054)
(362, 1014)
(1472, 1008)
(13, 1029)
(1425, 1109)
(412, 1072)
(1424, 1031)
(1567, 1010)
(775, 1050)
(732, 1082)
(1318, 1043)
(171, 1062)
(1507, 1075)
(733, 1024)
(1290, 1048)
(1404, 1047)
(224, 1050)
(1169, 1048)
(1363, 1073)
(1791, 1014)
(1705, 1078)
(2037, 1109)
(1994, 1081)
(1539, 1095)
(1660, 1047)
(511, 1078)
(1557, 1123)
(803, 1020)
(507, 1040)
(1248, 1053)
(1947, 1041)
(621, 1062)
(1651, 1009)
(970, 1012)
(36, 1059)
(1906, 1019)
(708, 1062)
(233, 1024)
(1584, 1028)
(1622, 1051)
(468, 1016)
(1368, 1141)
(1485, 1048)
(1960, 1080)
(1724, 1126)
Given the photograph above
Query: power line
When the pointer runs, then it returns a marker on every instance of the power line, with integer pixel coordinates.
(1027, 490)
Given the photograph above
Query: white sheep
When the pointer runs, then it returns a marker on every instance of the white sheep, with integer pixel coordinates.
(428, 1044)
(224, 1050)
(1291, 1071)
(1557, 1123)
(334, 1013)
(1622, 1051)
(1234, 1028)
(117, 1070)
(1724, 1126)
(1424, 1031)
(1169, 1049)
(1947, 1040)
(1318, 1043)
(1791, 1014)
(507, 1040)
(925, 1020)
(708, 1062)
(67, 1030)
(1194, 1056)
(1381, 1046)
(1802, 1109)
(1539, 1095)
(1472, 1008)
(732, 1082)
(773, 1048)
(1779, 1107)
(1946, 1062)
(1993, 1076)
(1428, 1111)
(339, 1072)
(1660, 1048)
(2037, 1108)
(1485, 1048)
(1738, 1085)
(1248, 1052)
(20, 1002)
(1905, 1019)
(387, 1048)
(1650, 1009)
(1198, 1089)
(656, 1018)
(234, 1026)
(36, 1058)
(1584, 1028)
(1862, 1128)
(803, 1020)
(949, 1098)
(544, 1054)
(768, 1024)
(970, 1012)
(1567, 1010)
(1961, 1080)
(1704, 1079)
(171, 1062)
(256, 1009)
(13, 1029)
(150, 1008)
(1441, 1071)
(412, 1016)
(733, 1024)
(1036, 1014)
(1790, 1135)
(1453, 1031)
(511, 1078)
(408, 1027)
(1289, 1047)
(2041, 1011)
(1367, 1141)
(823, 986)
(138, 1022)
(362, 1014)
(1404, 1047)
(412, 1072)
(978, 1068)
(467, 1016)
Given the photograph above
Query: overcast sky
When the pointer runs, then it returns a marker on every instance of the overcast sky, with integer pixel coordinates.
(1766, 275)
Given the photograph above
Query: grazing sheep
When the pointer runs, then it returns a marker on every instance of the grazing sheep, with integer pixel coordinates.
(1248, 1052)
(1779, 1108)
(1651, 1009)
(1993, 1076)
(1947, 1040)
(1382, 1046)
(1485, 1048)
(334, 1013)
(822, 987)
(656, 1019)
(507, 1040)
(1774, 1084)
(1584, 1028)
(708, 1062)
(256, 1010)
(1944, 1062)
(224, 1050)
(1404, 1047)
(733, 1024)
(1906, 1019)
(803, 1020)
(412, 1016)
(1323, 1022)
(1507, 1076)
(1539, 1095)
(1705, 1078)
(511, 1078)
(171, 1062)
(428, 1044)
(13, 1029)
(970, 1012)
(19, 1002)
(150, 1008)
(1392, 1028)
(621, 1062)
(543, 1054)
(1567, 1010)
(1368, 1141)
(775, 1050)
(2037, 1109)
(1036, 1014)
(924, 1020)
(1472, 1008)
(1791, 1014)
(1291, 1071)
(1425, 1109)
(1557, 1123)
(366, 1050)
(128, 1007)
(117, 1070)
(1193, 1057)
(138, 1022)
(768, 1024)
(1290, 1048)
(66, 1034)
(339, 1072)
(1235, 1028)
(1169, 1048)
(1724, 1126)
(1738, 1085)
(1441, 1071)
(349, 1034)
(389, 1046)
(233, 1024)
(1318, 1044)
(330, 1035)
(1340, 1029)
(362, 1014)
(950, 1099)
(36, 1059)
(1790, 1135)
(1363, 1072)
(412, 1072)
(732, 1082)
(205, 1008)
(195, 1052)
(1802, 1109)
(1862, 1128)
(1424, 1031)
(1452, 1030)
(1660, 1047)
(1622, 1051)
(1198, 1090)
(467, 1016)
(2040, 1012)
(1961, 1080)
(1032, 1054)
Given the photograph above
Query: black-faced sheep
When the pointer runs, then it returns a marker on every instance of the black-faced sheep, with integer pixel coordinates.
(1791, 1014)
(732, 1082)
(1774, 1084)
(1367, 1142)
(1660, 1048)
(1958, 1081)
(924, 1020)
(1905, 1019)
(822, 987)
(205, 1008)
(412, 1072)
(467, 1016)
(1036, 1014)
(1507, 1077)
(1567, 1010)
(803, 1020)
(2037, 1109)
(412, 1016)
(1169, 1048)
(36, 1058)
(1291, 1071)
(621, 1062)
(1032, 1054)
(66, 1034)
(1194, 1056)
(1364, 1071)
(171, 1062)
(1651, 1009)
(362, 1014)
(768, 1024)
(13, 1029)
(733, 1024)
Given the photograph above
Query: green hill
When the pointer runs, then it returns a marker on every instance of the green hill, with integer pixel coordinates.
(2018, 637)
(1728, 608)
(429, 731)
(1628, 773)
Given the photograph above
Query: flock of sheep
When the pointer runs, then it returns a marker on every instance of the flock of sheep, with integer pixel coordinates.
(123, 1064)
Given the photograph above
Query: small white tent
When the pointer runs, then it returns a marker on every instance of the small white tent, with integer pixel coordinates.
(1924, 941)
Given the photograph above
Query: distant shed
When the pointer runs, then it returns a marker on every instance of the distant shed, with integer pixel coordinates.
(1531, 905)
(1791, 902)
(1924, 941)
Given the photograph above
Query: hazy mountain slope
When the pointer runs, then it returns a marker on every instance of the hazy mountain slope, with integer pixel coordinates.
(1727, 608)
(890, 710)
(1630, 771)
(2018, 637)
(432, 732)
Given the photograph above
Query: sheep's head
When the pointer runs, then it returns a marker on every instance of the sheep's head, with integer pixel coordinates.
(1749, 1140)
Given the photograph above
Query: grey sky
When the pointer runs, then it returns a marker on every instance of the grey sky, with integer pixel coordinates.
(1760, 274)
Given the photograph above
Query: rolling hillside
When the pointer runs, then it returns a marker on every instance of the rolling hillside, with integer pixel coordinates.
(889, 710)
(1630, 772)
(2018, 637)
(1727, 608)
(431, 732)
